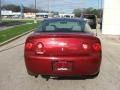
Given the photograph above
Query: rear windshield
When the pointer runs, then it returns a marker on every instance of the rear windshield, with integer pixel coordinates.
(62, 26)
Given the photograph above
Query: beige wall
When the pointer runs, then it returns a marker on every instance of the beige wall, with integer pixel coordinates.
(111, 17)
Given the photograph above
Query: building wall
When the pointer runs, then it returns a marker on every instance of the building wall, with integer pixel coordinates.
(29, 15)
(111, 17)
(6, 12)
(64, 15)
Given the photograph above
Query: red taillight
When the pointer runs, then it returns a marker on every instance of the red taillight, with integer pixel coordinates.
(85, 46)
(97, 46)
(39, 46)
(28, 45)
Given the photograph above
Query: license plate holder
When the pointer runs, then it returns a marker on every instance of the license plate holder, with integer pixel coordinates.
(62, 66)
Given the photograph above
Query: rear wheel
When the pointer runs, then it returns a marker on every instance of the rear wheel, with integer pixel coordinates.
(93, 27)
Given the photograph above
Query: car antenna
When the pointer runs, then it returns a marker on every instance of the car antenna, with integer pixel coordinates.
(97, 19)
(96, 32)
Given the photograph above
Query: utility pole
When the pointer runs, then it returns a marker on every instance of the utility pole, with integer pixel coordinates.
(49, 5)
(101, 9)
(22, 14)
(0, 12)
(35, 21)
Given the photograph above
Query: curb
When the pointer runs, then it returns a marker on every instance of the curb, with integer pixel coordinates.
(14, 38)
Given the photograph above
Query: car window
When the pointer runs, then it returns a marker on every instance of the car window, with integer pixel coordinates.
(88, 29)
(62, 26)
(89, 16)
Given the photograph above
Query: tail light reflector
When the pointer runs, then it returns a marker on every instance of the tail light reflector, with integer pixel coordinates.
(39, 49)
(28, 45)
(85, 46)
(39, 46)
(97, 46)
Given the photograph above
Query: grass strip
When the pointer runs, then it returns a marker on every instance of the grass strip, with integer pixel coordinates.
(10, 33)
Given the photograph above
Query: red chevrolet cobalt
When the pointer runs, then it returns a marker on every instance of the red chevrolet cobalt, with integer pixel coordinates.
(63, 47)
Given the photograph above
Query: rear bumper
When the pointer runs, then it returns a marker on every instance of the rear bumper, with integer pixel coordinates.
(81, 65)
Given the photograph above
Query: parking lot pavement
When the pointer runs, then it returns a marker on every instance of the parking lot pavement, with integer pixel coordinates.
(13, 74)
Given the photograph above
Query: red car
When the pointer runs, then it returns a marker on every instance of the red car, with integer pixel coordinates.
(63, 47)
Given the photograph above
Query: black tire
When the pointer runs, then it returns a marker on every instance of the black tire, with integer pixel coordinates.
(32, 74)
(94, 27)
(45, 76)
(91, 76)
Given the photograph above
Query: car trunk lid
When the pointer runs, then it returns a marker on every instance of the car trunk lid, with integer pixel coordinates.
(63, 44)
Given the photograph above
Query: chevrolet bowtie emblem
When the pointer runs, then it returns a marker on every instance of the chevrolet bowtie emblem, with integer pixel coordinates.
(62, 49)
